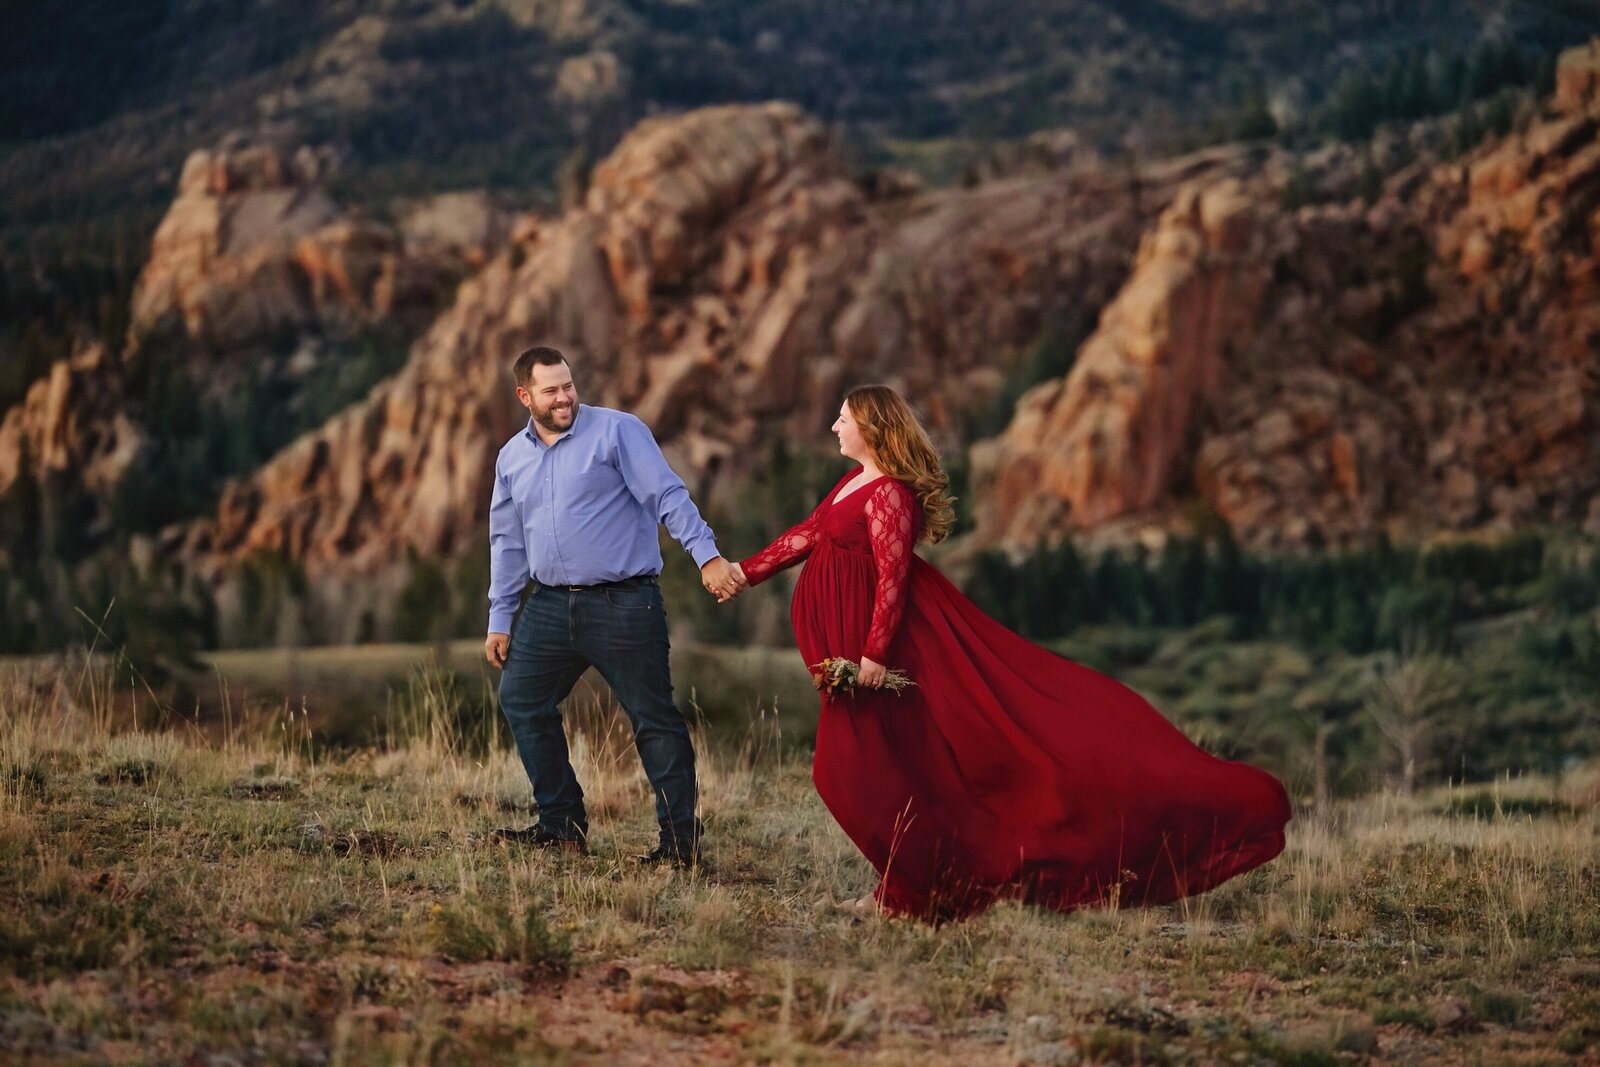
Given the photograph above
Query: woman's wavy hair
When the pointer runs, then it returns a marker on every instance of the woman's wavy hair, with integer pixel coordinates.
(902, 450)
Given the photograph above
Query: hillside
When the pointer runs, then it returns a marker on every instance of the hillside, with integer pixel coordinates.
(100, 105)
(300, 387)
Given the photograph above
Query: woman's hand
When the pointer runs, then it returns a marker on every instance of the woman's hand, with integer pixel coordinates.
(872, 673)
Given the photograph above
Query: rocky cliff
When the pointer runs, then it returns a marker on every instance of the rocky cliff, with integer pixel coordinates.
(1112, 437)
(256, 275)
(1431, 361)
(254, 245)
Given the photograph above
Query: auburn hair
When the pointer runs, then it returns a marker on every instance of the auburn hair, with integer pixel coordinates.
(902, 450)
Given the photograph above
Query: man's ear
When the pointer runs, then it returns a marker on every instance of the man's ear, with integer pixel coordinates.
(524, 396)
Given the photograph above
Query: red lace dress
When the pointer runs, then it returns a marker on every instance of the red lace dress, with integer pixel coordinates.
(1007, 771)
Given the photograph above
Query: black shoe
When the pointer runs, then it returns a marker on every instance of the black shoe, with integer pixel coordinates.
(539, 837)
(665, 853)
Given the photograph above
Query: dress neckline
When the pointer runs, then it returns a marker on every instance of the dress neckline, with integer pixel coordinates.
(837, 497)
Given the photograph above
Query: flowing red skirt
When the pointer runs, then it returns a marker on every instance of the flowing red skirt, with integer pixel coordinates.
(1010, 772)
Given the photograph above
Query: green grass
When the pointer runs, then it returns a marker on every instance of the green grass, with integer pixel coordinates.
(254, 894)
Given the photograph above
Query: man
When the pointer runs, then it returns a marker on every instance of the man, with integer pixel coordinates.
(578, 495)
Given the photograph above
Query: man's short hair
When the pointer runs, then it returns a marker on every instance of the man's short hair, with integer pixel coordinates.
(548, 357)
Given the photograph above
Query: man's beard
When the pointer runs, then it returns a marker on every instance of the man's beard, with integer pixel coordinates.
(549, 420)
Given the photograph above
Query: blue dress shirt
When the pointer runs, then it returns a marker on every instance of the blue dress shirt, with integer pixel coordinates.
(585, 509)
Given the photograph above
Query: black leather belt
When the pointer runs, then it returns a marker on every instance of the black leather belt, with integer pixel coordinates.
(637, 579)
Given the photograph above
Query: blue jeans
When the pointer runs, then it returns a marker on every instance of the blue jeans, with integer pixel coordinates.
(621, 631)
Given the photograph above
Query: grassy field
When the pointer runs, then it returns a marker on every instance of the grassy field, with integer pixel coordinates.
(248, 895)
(346, 689)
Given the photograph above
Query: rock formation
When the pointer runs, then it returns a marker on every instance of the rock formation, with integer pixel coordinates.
(254, 245)
(253, 260)
(1110, 438)
(1311, 375)
(1428, 362)
(1578, 77)
(726, 279)
(72, 428)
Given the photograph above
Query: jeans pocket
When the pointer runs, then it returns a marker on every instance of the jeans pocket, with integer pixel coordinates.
(633, 597)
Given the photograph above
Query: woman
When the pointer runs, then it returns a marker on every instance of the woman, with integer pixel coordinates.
(1005, 771)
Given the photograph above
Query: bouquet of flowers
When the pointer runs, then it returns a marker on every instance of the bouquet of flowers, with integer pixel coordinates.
(837, 674)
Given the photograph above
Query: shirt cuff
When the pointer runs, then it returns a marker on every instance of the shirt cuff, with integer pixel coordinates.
(501, 623)
(705, 552)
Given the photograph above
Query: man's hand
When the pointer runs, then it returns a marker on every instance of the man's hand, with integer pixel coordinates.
(722, 579)
(495, 647)
(872, 673)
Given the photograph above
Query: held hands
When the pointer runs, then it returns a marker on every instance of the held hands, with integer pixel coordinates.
(872, 673)
(722, 579)
(496, 647)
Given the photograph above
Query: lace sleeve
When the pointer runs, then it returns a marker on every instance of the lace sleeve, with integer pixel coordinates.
(893, 519)
(792, 546)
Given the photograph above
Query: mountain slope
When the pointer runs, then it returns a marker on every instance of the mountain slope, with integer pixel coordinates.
(100, 103)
